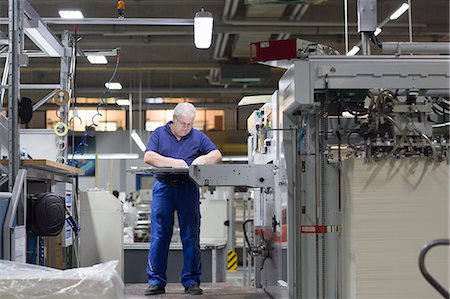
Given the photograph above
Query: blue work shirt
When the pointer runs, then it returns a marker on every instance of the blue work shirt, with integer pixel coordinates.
(189, 147)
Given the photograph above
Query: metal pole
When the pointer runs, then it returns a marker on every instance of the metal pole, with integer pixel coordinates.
(4, 81)
(231, 217)
(43, 100)
(15, 28)
(130, 116)
(410, 21)
(365, 43)
(244, 246)
(346, 25)
(64, 83)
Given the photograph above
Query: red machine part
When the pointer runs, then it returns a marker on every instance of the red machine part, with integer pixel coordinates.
(273, 50)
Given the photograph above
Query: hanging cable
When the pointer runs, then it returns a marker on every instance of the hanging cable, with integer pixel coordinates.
(302, 132)
(89, 128)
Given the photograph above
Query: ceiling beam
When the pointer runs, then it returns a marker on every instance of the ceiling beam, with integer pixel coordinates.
(145, 66)
(184, 91)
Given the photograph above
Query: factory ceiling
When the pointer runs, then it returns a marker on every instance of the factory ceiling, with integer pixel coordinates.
(162, 61)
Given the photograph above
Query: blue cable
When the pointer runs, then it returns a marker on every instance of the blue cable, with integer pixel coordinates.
(87, 133)
(302, 133)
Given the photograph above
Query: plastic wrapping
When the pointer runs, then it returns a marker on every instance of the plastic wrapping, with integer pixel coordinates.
(19, 280)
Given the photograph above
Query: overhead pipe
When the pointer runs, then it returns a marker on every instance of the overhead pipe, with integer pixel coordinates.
(116, 21)
(415, 48)
(189, 90)
(156, 67)
(303, 24)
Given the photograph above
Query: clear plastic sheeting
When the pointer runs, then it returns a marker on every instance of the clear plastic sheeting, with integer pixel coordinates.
(19, 280)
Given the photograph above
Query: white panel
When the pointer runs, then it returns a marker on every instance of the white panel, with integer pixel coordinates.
(214, 214)
(39, 143)
(101, 224)
(391, 209)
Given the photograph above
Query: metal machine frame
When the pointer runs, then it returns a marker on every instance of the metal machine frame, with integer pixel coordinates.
(313, 175)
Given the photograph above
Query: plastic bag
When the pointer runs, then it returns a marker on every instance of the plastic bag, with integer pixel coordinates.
(19, 280)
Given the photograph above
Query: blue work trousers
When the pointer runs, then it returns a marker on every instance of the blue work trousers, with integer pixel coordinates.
(167, 199)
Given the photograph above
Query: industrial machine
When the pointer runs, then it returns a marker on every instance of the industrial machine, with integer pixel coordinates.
(358, 144)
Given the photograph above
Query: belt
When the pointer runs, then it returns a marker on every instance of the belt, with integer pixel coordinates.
(173, 182)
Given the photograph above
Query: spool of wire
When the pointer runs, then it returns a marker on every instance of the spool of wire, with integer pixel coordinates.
(46, 214)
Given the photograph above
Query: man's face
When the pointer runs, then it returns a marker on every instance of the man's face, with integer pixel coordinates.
(182, 124)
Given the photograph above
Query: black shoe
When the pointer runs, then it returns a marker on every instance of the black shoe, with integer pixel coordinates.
(193, 289)
(154, 289)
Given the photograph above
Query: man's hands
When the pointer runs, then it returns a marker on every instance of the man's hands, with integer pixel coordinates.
(198, 161)
(212, 157)
(156, 160)
(179, 163)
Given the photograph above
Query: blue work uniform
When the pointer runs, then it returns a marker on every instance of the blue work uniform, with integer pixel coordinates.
(179, 194)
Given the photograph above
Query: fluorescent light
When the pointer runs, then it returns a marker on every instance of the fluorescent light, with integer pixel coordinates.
(353, 51)
(113, 85)
(203, 24)
(138, 141)
(399, 11)
(123, 102)
(43, 38)
(115, 156)
(71, 14)
(154, 100)
(377, 31)
(97, 59)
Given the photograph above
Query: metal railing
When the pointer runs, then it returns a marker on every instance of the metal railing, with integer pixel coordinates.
(424, 271)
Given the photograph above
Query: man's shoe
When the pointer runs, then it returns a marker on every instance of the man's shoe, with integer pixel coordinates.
(154, 289)
(193, 289)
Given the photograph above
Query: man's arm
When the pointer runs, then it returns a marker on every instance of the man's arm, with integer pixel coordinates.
(156, 160)
(213, 157)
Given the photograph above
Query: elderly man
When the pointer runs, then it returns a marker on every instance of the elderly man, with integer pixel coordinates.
(177, 145)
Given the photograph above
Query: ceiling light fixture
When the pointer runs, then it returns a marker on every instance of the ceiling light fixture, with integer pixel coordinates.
(43, 38)
(70, 14)
(203, 24)
(97, 59)
(353, 51)
(154, 100)
(399, 12)
(123, 102)
(377, 31)
(138, 141)
(113, 85)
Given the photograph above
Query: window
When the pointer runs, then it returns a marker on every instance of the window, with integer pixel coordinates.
(205, 120)
(109, 120)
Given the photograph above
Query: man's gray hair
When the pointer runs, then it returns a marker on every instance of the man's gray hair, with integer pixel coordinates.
(187, 109)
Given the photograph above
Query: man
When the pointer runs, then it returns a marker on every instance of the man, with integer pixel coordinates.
(177, 145)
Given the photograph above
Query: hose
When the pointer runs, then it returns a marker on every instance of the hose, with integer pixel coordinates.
(392, 121)
(250, 247)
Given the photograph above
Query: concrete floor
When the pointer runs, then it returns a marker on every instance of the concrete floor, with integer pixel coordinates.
(210, 291)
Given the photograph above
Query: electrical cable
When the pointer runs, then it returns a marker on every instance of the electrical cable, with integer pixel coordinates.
(302, 132)
(107, 90)
(375, 40)
(392, 121)
(250, 247)
(87, 133)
